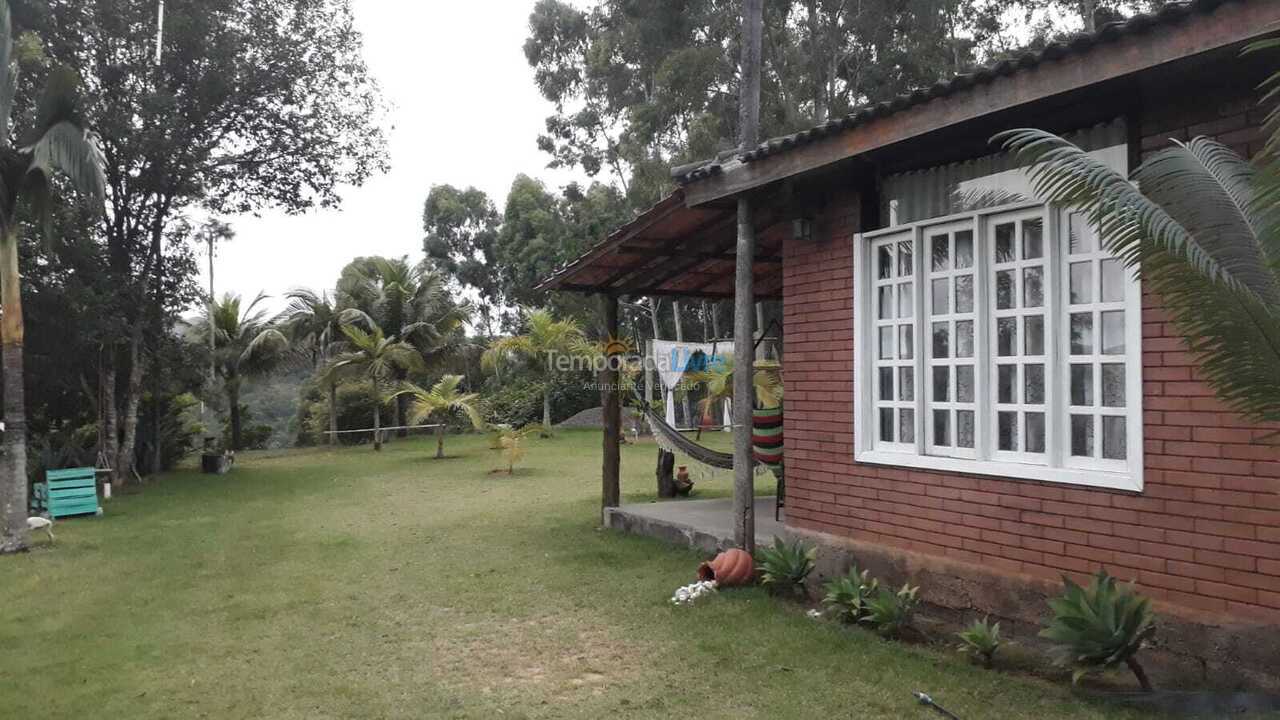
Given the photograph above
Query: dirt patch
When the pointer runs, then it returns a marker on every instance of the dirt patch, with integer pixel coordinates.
(549, 656)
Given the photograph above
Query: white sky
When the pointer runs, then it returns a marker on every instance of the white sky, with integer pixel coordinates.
(464, 110)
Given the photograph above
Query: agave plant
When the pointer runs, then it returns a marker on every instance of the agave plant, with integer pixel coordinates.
(847, 595)
(890, 612)
(1202, 227)
(981, 639)
(784, 567)
(1099, 627)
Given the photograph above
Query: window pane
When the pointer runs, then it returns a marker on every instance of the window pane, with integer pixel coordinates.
(886, 424)
(1082, 333)
(1082, 435)
(1113, 333)
(964, 428)
(1112, 281)
(1004, 290)
(941, 296)
(941, 252)
(1032, 239)
(886, 383)
(884, 263)
(1082, 236)
(1006, 337)
(1082, 385)
(905, 300)
(886, 343)
(964, 339)
(1035, 432)
(942, 427)
(1033, 335)
(941, 340)
(906, 341)
(904, 259)
(1033, 287)
(1081, 283)
(886, 302)
(964, 383)
(1004, 243)
(1007, 430)
(964, 294)
(1113, 438)
(1113, 384)
(1007, 379)
(906, 384)
(964, 249)
(1033, 384)
(906, 425)
(942, 384)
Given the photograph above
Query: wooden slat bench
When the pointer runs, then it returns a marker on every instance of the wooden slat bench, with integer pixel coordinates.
(73, 491)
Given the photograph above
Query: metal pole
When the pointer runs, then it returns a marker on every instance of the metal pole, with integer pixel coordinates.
(744, 521)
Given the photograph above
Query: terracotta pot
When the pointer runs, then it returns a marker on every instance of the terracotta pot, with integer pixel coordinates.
(731, 567)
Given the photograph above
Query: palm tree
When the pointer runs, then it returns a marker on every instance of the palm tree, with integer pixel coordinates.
(441, 401)
(1200, 224)
(315, 321)
(245, 344)
(379, 359)
(544, 337)
(58, 142)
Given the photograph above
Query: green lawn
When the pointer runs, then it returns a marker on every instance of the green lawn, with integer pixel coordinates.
(318, 584)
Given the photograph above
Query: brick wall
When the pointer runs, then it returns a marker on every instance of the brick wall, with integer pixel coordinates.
(1204, 535)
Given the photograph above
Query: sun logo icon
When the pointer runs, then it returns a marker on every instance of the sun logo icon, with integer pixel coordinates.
(615, 346)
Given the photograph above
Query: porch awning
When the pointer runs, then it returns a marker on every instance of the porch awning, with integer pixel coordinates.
(675, 250)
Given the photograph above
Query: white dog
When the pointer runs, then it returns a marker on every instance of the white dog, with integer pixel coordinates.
(41, 523)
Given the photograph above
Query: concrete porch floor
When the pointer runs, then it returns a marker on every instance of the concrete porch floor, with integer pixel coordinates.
(702, 524)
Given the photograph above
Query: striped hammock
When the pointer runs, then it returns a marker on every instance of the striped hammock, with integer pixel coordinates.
(766, 440)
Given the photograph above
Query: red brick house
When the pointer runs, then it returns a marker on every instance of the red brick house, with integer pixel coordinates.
(977, 397)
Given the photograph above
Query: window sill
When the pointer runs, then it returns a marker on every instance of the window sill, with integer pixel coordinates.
(1005, 470)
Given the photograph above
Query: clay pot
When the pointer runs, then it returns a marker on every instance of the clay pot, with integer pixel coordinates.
(731, 567)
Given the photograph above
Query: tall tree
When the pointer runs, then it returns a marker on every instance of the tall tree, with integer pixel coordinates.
(460, 234)
(542, 339)
(56, 142)
(379, 359)
(314, 322)
(252, 104)
(245, 344)
(439, 403)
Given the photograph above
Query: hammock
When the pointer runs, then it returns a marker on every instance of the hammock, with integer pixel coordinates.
(671, 440)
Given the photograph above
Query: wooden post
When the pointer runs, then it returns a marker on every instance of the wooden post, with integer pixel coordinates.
(744, 521)
(611, 492)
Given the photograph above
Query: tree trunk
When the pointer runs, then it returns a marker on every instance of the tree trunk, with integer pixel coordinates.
(816, 64)
(744, 523)
(124, 460)
(684, 397)
(1089, 14)
(666, 474)
(402, 405)
(440, 441)
(233, 399)
(546, 410)
(377, 426)
(13, 484)
(107, 408)
(333, 411)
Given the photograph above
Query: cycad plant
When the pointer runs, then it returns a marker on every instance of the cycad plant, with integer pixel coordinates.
(1202, 227)
(847, 595)
(543, 339)
(59, 142)
(440, 402)
(378, 359)
(1099, 627)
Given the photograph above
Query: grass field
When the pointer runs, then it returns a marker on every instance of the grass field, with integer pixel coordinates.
(349, 584)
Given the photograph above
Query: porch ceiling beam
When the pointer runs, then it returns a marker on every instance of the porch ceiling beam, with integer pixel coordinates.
(710, 226)
(1230, 24)
(659, 252)
(666, 292)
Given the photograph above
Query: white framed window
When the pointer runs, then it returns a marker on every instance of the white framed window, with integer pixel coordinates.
(1002, 341)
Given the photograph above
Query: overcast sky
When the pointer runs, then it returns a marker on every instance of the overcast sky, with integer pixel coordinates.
(464, 110)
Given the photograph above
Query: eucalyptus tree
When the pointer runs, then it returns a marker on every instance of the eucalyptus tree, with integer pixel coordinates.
(379, 359)
(246, 343)
(57, 142)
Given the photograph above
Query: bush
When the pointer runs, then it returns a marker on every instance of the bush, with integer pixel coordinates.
(981, 639)
(355, 411)
(847, 595)
(1099, 627)
(784, 567)
(890, 612)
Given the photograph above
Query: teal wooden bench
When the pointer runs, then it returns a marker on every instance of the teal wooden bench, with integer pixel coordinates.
(73, 491)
